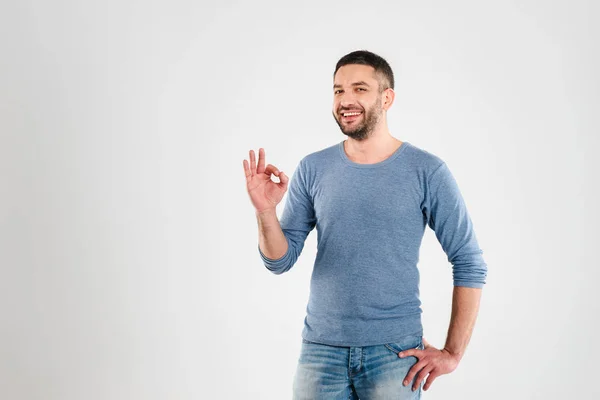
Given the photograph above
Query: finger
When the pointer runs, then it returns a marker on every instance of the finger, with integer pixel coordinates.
(261, 161)
(271, 169)
(283, 180)
(410, 352)
(247, 170)
(420, 376)
(413, 371)
(430, 379)
(252, 163)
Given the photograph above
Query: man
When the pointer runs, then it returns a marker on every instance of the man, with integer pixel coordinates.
(370, 197)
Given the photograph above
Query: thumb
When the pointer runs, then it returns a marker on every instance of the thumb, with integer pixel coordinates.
(283, 179)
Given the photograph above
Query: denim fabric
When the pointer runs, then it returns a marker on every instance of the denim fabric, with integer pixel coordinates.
(366, 373)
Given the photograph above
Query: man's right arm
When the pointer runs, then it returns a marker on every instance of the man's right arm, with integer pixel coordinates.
(280, 243)
(271, 239)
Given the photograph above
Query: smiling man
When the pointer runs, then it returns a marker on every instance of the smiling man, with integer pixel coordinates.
(353, 119)
(370, 197)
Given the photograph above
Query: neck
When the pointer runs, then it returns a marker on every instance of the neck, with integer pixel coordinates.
(378, 146)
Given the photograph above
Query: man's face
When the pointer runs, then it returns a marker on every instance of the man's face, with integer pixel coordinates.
(357, 106)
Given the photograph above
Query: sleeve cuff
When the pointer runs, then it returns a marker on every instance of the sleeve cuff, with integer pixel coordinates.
(276, 265)
(471, 284)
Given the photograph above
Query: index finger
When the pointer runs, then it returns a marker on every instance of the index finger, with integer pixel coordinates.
(410, 352)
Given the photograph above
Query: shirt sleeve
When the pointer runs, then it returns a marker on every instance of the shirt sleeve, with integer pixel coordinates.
(447, 216)
(297, 220)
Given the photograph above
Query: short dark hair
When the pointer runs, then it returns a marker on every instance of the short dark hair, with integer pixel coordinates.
(364, 57)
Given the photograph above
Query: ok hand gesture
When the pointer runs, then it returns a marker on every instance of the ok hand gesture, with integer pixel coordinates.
(264, 193)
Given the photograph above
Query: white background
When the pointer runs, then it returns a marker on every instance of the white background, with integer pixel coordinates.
(128, 245)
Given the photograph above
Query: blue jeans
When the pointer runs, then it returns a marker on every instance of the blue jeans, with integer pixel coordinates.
(366, 373)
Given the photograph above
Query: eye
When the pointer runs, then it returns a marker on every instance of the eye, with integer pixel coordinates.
(362, 89)
(337, 91)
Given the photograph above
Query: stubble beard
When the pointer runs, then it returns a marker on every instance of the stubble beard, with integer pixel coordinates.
(365, 129)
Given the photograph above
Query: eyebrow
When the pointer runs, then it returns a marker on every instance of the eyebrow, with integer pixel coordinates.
(361, 83)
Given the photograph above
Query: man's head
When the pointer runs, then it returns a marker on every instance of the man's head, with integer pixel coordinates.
(363, 83)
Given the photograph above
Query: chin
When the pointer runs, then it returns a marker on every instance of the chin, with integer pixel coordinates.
(356, 135)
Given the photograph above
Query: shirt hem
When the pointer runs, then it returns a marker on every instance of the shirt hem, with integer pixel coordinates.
(377, 342)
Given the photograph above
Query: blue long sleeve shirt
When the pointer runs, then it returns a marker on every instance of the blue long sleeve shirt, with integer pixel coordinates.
(370, 221)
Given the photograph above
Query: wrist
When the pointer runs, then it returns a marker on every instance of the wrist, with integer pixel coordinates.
(454, 354)
(266, 212)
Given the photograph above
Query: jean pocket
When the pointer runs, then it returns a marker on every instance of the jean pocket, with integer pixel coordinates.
(413, 342)
(306, 341)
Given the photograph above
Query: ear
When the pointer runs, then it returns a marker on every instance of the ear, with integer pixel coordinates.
(387, 97)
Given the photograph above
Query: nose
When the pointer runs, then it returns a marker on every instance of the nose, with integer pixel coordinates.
(347, 100)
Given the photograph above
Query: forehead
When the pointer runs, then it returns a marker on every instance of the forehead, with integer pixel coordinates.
(351, 73)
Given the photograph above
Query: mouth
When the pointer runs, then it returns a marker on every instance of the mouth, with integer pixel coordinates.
(349, 116)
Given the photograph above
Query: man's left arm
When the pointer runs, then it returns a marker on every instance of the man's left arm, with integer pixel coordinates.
(465, 306)
(446, 213)
(434, 362)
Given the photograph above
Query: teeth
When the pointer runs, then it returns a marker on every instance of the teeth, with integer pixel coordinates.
(352, 113)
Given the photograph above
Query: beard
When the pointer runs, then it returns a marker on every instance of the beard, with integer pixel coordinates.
(361, 131)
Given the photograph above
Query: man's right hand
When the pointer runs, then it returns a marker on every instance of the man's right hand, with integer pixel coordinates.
(264, 193)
